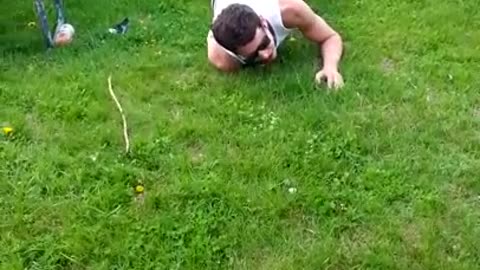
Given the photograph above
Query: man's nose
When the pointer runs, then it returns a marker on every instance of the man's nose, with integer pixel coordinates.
(265, 54)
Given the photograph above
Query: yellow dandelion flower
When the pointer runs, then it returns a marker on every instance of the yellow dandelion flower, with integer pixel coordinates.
(7, 130)
(139, 189)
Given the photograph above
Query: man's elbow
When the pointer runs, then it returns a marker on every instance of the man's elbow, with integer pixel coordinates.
(339, 37)
(332, 40)
(221, 64)
(335, 36)
(222, 67)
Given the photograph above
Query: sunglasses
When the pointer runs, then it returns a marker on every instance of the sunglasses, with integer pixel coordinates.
(254, 57)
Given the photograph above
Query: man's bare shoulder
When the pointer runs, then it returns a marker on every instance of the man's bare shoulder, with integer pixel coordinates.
(294, 12)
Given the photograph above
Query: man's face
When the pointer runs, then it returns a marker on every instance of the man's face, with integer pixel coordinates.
(261, 48)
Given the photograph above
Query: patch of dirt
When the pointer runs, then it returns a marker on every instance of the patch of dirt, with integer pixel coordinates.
(176, 114)
(412, 235)
(476, 112)
(431, 95)
(356, 241)
(460, 193)
(387, 65)
(196, 153)
(34, 126)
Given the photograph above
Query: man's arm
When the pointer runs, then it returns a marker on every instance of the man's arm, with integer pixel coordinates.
(219, 58)
(316, 29)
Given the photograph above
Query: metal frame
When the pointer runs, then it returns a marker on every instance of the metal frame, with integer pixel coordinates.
(42, 17)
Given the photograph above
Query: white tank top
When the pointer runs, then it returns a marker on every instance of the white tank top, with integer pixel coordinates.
(268, 9)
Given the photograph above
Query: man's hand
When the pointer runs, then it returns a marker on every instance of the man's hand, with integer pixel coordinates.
(332, 78)
(316, 29)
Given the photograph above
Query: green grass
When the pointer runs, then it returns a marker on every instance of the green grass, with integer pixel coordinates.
(385, 171)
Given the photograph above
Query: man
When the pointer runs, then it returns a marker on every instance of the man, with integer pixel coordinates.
(248, 32)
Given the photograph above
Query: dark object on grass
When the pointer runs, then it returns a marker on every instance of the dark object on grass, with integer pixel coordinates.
(120, 28)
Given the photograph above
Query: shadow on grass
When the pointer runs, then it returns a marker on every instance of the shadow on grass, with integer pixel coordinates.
(25, 43)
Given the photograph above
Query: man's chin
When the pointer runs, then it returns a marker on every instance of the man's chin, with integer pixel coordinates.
(268, 60)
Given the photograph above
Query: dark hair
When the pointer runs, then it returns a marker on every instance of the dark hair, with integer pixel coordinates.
(235, 26)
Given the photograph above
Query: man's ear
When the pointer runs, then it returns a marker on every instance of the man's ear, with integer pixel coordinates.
(263, 21)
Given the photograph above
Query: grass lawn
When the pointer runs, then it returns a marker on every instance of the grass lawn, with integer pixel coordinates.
(257, 170)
